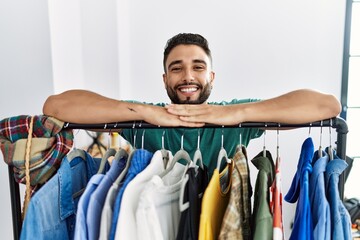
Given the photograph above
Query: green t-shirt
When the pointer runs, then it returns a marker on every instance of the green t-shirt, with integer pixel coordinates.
(210, 138)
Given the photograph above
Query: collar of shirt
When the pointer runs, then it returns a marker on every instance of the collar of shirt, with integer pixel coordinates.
(66, 178)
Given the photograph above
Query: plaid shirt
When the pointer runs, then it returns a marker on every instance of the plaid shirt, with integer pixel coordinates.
(49, 145)
(236, 222)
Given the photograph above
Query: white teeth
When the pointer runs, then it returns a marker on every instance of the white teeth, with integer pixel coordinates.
(188, 89)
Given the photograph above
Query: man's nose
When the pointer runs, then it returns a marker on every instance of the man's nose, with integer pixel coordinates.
(188, 76)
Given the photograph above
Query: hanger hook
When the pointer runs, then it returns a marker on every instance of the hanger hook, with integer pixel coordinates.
(163, 140)
(198, 139)
(105, 126)
(142, 139)
(278, 139)
(66, 125)
(135, 138)
(330, 130)
(240, 136)
(115, 125)
(321, 128)
(264, 148)
(182, 141)
(222, 137)
(310, 125)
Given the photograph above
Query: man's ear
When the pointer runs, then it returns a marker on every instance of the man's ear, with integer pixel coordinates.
(212, 78)
(164, 79)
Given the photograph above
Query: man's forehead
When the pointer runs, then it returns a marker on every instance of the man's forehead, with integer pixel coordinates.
(188, 54)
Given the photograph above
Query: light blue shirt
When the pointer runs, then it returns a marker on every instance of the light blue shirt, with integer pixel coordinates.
(318, 201)
(51, 211)
(97, 199)
(81, 229)
(340, 218)
(139, 161)
(299, 191)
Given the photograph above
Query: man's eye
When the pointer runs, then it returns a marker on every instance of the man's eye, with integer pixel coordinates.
(175, 69)
(199, 67)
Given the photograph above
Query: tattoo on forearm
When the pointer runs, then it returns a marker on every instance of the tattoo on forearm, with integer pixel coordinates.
(131, 109)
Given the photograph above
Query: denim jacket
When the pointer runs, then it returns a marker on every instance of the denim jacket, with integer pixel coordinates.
(51, 211)
(340, 218)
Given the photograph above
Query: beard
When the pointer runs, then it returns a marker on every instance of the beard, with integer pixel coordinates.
(204, 94)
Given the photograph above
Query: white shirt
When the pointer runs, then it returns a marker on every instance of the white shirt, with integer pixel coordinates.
(158, 214)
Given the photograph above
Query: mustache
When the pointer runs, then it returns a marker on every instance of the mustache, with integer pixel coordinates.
(189, 83)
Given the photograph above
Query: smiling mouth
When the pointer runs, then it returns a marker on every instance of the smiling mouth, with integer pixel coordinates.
(188, 89)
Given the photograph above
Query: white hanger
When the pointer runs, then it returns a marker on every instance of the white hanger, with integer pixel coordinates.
(222, 153)
(164, 153)
(180, 154)
(197, 155)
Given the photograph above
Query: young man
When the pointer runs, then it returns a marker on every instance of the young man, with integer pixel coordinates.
(188, 79)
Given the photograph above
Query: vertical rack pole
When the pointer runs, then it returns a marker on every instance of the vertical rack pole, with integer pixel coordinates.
(342, 130)
(15, 204)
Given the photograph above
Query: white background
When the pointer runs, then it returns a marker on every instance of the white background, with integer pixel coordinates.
(260, 49)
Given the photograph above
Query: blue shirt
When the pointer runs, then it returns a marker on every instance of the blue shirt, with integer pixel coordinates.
(299, 191)
(340, 218)
(138, 162)
(318, 201)
(97, 199)
(51, 211)
(81, 229)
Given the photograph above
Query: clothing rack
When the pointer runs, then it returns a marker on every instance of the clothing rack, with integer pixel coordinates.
(338, 123)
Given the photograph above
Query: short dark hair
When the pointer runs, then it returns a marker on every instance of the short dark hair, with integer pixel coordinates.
(186, 39)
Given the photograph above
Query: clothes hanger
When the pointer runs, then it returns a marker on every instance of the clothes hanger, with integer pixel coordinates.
(197, 155)
(121, 154)
(109, 153)
(179, 155)
(330, 148)
(240, 140)
(75, 152)
(164, 153)
(222, 153)
(320, 153)
(264, 146)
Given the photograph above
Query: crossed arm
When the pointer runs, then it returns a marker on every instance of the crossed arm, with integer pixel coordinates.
(300, 106)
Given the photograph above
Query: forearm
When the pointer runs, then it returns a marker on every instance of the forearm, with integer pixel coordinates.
(299, 106)
(80, 106)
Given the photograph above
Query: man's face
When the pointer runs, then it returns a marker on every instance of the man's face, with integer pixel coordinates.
(188, 78)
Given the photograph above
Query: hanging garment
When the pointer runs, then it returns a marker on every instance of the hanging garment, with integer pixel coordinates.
(138, 163)
(97, 199)
(81, 228)
(261, 219)
(193, 192)
(108, 207)
(340, 218)
(210, 137)
(276, 204)
(126, 224)
(236, 221)
(158, 214)
(214, 203)
(50, 143)
(320, 208)
(299, 191)
(52, 209)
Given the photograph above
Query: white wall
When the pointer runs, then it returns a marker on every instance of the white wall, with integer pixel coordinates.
(25, 75)
(260, 49)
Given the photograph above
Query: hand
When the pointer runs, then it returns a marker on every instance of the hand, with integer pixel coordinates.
(160, 116)
(206, 113)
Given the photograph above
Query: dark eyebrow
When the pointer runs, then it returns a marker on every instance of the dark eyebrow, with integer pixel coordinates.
(180, 61)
